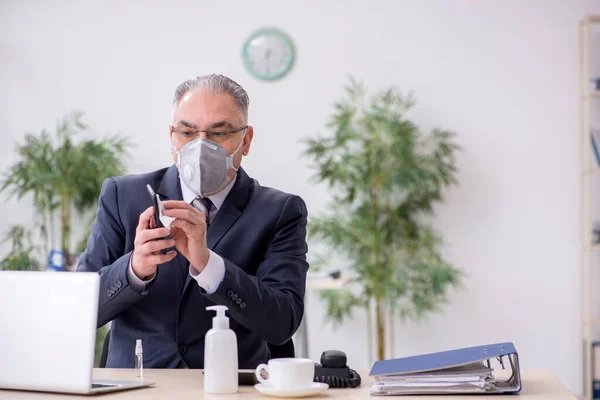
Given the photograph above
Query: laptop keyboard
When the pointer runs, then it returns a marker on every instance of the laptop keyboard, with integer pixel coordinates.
(100, 385)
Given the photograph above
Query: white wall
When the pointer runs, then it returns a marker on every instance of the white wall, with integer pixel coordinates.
(503, 74)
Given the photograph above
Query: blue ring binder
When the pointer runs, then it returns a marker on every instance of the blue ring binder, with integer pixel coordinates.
(434, 373)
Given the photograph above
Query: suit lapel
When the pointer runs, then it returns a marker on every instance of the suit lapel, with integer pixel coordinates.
(231, 210)
(226, 217)
(170, 189)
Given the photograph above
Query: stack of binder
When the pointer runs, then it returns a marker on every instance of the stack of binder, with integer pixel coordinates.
(462, 371)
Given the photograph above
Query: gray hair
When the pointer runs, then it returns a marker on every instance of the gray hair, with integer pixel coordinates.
(218, 84)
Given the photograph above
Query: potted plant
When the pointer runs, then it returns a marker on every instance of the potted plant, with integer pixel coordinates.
(21, 256)
(385, 176)
(64, 173)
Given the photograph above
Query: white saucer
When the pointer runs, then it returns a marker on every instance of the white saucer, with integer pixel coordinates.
(269, 390)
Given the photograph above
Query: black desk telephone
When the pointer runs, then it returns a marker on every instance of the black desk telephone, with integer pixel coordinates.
(332, 370)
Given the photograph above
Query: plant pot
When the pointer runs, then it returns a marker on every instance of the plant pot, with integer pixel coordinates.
(56, 260)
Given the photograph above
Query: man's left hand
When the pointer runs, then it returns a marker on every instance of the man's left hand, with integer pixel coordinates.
(189, 232)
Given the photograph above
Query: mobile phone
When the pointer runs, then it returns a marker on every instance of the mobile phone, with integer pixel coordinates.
(156, 203)
(155, 200)
(246, 377)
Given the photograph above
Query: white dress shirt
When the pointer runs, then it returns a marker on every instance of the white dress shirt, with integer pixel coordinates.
(211, 277)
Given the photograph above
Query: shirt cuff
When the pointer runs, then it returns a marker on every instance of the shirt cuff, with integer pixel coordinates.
(136, 283)
(211, 277)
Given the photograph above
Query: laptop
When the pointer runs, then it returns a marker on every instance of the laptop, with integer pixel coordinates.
(48, 333)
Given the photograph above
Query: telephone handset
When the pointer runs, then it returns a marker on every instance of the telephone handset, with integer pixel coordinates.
(333, 371)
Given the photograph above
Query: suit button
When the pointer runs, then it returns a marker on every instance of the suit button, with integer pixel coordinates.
(181, 349)
(119, 284)
(238, 301)
(234, 297)
(229, 293)
(243, 305)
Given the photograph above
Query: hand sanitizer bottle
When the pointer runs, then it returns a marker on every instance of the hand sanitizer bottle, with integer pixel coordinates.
(139, 363)
(220, 356)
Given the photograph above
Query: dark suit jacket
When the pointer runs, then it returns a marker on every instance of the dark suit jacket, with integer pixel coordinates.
(260, 233)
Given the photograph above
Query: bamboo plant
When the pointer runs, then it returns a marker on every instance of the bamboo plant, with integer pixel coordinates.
(385, 176)
(64, 175)
(22, 254)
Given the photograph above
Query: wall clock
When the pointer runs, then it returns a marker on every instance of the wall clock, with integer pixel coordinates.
(268, 54)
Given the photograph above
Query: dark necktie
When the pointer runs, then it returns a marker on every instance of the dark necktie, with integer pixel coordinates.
(207, 205)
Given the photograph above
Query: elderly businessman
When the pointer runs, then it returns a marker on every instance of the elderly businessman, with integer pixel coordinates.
(233, 242)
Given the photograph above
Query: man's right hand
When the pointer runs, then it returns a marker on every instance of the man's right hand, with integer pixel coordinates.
(146, 253)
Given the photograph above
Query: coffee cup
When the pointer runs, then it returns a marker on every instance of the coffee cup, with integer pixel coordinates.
(287, 373)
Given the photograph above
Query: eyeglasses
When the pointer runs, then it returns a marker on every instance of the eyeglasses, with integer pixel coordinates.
(189, 134)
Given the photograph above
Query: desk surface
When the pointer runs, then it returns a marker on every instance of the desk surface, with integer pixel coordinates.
(187, 384)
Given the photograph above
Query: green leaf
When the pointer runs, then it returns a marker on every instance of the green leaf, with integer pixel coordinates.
(339, 305)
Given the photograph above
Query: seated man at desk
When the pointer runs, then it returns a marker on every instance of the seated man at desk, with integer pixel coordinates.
(233, 242)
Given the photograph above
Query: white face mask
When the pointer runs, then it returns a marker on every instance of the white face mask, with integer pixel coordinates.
(203, 165)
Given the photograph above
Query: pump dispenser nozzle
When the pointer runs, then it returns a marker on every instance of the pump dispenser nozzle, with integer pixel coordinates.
(220, 321)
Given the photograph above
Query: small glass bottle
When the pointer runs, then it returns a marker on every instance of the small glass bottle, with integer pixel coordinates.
(139, 359)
